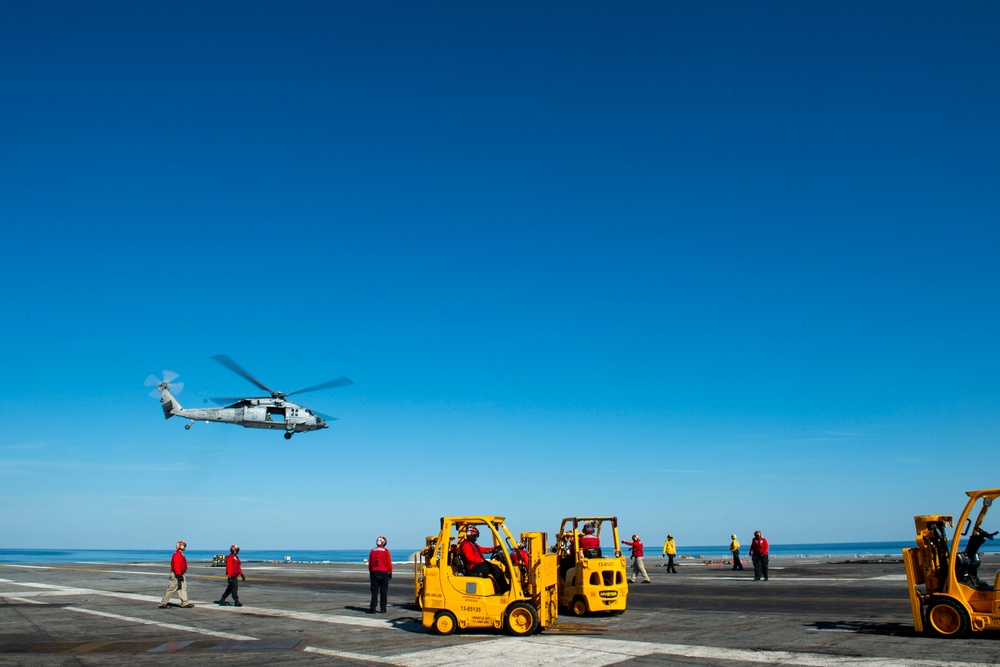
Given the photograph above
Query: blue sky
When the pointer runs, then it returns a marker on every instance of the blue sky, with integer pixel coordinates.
(711, 267)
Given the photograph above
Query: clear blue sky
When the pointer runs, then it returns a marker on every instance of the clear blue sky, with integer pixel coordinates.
(711, 267)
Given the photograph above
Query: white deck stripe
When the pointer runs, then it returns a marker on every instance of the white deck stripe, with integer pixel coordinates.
(160, 624)
(596, 652)
(336, 619)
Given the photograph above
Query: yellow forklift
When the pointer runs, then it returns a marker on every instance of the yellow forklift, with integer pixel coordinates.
(591, 579)
(953, 600)
(497, 594)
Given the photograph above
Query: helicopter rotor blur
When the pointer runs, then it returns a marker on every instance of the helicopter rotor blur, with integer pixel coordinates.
(271, 412)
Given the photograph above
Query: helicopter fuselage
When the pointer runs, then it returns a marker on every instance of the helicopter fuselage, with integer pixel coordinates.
(264, 412)
(259, 413)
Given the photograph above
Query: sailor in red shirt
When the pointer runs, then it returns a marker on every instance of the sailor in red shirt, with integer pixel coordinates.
(590, 543)
(234, 572)
(758, 554)
(178, 567)
(519, 556)
(475, 564)
(379, 572)
(638, 567)
(520, 560)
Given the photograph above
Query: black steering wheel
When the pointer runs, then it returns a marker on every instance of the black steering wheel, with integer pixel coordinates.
(497, 553)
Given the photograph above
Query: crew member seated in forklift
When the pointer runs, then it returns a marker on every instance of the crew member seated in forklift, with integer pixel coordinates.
(520, 560)
(969, 560)
(590, 543)
(590, 547)
(519, 556)
(568, 558)
(475, 564)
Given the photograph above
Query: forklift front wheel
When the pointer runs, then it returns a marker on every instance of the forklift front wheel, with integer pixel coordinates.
(521, 619)
(579, 607)
(947, 618)
(445, 623)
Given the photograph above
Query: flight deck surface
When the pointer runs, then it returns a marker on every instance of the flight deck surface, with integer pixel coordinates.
(810, 613)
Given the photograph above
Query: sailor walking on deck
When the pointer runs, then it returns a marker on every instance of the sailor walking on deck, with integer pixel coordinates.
(178, 569)
(234, 572)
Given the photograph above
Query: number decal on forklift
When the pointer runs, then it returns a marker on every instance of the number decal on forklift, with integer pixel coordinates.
(477, 610)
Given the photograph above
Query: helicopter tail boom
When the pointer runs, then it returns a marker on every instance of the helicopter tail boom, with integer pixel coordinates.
(167, 401)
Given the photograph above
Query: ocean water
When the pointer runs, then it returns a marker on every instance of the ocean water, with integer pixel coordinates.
(23, 556)
(845, 549)
(833, 549)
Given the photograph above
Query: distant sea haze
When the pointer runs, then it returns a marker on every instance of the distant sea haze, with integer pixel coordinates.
(653, 549)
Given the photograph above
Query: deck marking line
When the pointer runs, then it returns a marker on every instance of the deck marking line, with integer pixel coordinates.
(336, 619)
(597, 652)
(169, 626)
(315, 617)
(330, 653)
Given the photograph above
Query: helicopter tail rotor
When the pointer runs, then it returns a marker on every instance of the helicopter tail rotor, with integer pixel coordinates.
(168, 377)
(174, 389)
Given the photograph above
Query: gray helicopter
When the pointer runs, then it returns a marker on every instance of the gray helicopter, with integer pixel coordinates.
(273, 412)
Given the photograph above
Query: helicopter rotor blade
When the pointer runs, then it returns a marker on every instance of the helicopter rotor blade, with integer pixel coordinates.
(239, 370)
(326, 417)
(339, 382)
(151, 381)
(227, 400)
(170, 376)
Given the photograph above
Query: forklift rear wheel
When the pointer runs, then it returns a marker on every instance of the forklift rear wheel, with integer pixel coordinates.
(521, 619)
(579, 607)
(947, 618)
(445, 623)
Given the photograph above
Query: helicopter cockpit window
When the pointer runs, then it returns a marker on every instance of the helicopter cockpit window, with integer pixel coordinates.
(309, 412)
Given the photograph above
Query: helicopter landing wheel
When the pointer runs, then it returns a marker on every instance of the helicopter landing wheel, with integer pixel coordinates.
(187, 426)
(288, 435)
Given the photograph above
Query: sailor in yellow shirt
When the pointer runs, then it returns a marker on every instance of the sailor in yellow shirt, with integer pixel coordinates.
(670, 550)
(734, 546)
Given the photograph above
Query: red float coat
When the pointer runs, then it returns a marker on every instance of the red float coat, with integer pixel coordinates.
(233, 568)
(178, 564)
(590, 542)
(637, 551)
(472, 553)
(380, 560)
(519, 557)
(758, 546)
